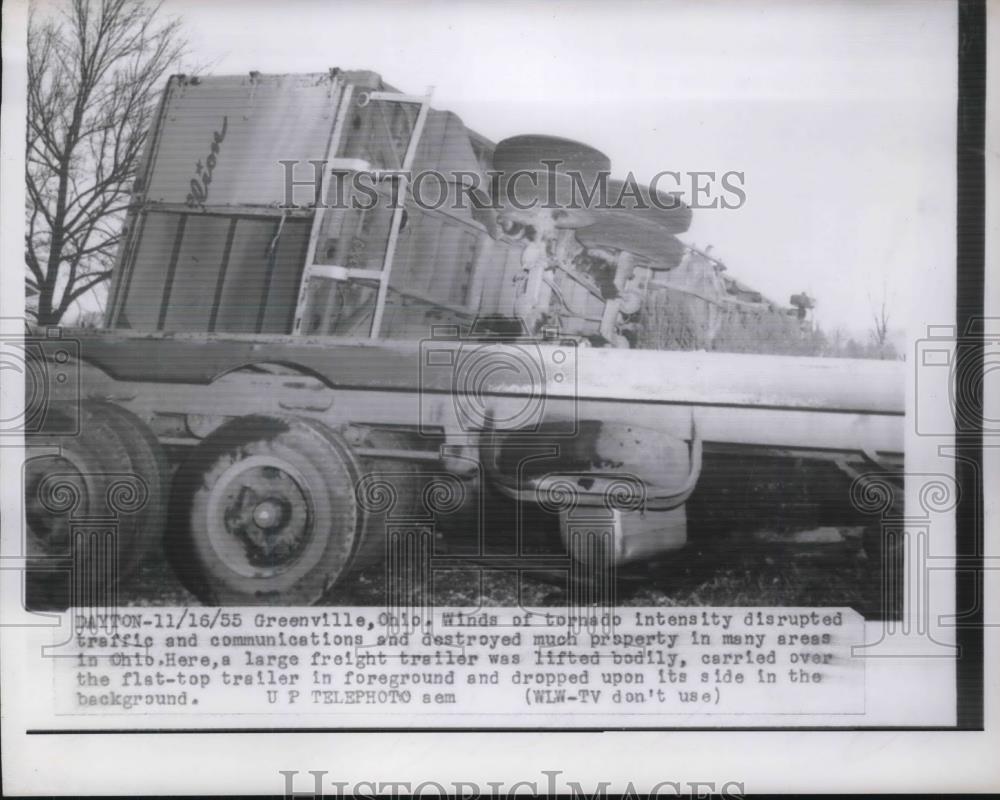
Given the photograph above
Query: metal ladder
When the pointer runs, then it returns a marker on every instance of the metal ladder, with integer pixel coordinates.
(340, 273)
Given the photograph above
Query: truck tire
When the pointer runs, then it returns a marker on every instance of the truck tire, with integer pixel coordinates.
(528, 151)
(268, 513)
(664, 209)
(146, 460)
(625, 230)
(526, 154)
(69, 480)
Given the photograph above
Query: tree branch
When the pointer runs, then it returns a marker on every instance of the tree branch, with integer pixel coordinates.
(93, 81)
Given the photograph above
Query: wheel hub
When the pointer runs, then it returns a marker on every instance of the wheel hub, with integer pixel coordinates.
(266, 514)
(269, 514)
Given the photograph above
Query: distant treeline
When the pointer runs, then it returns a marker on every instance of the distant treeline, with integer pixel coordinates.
(676, 320)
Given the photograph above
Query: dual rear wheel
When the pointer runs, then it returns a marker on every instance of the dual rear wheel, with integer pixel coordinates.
(94, 503)
(263, 511)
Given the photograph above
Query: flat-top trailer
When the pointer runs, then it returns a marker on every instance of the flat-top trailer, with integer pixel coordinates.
(302, 358)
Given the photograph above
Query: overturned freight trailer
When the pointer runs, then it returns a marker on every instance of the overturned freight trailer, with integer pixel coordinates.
(340, 316)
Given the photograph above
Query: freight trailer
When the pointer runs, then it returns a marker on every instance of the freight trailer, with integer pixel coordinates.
(340, 321)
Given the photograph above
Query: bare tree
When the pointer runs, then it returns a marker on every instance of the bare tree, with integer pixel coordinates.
(94, 73)
(880, 328)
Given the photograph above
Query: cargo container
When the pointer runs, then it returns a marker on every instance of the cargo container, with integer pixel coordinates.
(341, 319)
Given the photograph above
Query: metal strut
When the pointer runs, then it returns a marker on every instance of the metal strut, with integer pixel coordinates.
(340, 273)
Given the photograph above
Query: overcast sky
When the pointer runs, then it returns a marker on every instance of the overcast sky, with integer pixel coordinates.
(840, 114)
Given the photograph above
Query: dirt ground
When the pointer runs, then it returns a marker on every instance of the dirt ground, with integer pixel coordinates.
(754, 574)
(743, 523)
(759, 533)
